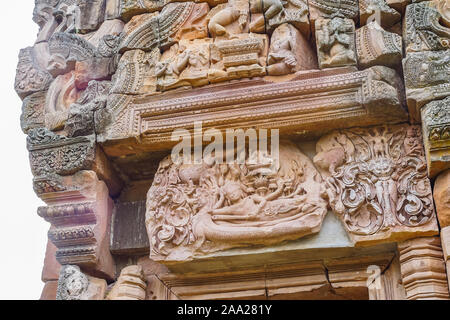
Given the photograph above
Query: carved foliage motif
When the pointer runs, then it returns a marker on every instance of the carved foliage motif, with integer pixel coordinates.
(377, 179)
(201, 208)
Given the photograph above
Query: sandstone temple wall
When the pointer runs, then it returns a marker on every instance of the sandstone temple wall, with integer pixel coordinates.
(357, 92)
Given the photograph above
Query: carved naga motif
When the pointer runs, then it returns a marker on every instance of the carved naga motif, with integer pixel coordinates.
(377, 181)
(202, 208)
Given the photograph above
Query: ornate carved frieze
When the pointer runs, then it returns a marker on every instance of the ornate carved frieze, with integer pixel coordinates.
(423, 269)
(335, 40)
(80, 217)
(289, 52)
(375, 46)
(331, 8)
(142, 32)
(377, 182)
(423, 29)
(54, 154)
(201, 208)
(73, 284)
(312, 103)
(436, 133)
(33, 111)
(427, 77)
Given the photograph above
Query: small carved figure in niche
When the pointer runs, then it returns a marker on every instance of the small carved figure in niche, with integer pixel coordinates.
(228, 19)
(270, 8)
(335, 42)
(281, 59)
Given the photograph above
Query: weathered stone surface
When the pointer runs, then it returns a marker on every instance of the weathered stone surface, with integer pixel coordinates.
(426, 78)
(33, 111)
(81, 222)
(335, 41)
(185, 64)
(142, 32)
(259, 204)
(51, 269)
(375, 46)
(75, 285)
(436, 133)
(272, 13)
(130, 285)
(289, 52)
(129, 235)
(379, 11)
(136, 72)
(229, 19)
(442, 198)
(49, 291)
(423, 269)
(377, 182)
(423, 30)
(130, 8)
(91, 15)
(330, 8)
(350, 98)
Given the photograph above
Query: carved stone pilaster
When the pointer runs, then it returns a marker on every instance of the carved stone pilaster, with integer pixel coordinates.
(130, 285)
(436, 135)
(377, 182)
(423, 269)
(80, 218)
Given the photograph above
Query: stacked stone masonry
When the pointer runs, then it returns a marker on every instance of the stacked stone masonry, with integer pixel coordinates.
(358, 206)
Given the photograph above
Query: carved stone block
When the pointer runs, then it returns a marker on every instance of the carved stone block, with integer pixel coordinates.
(91, 15)
(130, 8)
(80, 224)
(185, 64)
(374, 46)
(272, 13)
(112, 9)
(30, 76)
(331, 8)
(75, 285)
(136, 72)
(377, 182)
(202, 208)
(427, 77)
(142, 32)
(335, 40)
(33, 111)
(245, 56)
(130, 285)
(379, 11)
(436, 133)
(423, 269)
(423, 29)
(289, 52)
(442, 198)
(229, 19)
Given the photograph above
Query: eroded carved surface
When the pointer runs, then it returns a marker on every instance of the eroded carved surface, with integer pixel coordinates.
(198, 209)
(75, 285)
(377, 182)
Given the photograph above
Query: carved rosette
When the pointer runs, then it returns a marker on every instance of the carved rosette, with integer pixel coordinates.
(197, 209)
(377, 182)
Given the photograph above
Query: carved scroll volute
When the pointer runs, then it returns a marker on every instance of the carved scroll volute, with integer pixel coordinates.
(202, 208)
(377, 182)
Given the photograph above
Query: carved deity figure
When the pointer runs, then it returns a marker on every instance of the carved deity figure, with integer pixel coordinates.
(201, 208)
(228, 19)
(270, 8)
(335, 42)
(377, 181)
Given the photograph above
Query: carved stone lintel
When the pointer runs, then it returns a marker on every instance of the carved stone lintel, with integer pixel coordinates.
(335, 40)
(75, 285)
(377, 182)
(197, 209)
(349, 98)
(80, 218)
(426, 79)
(375, 46)
(436, 133)
(423, 269)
